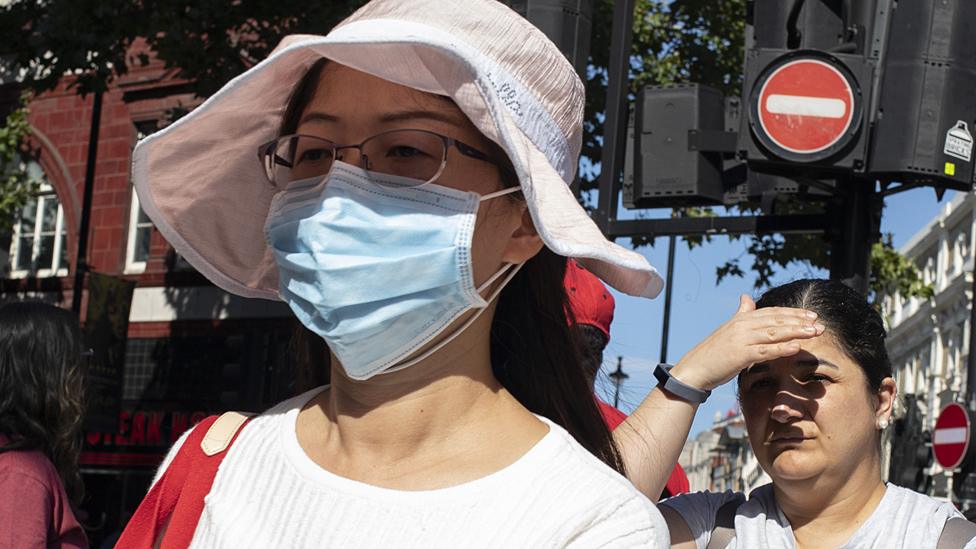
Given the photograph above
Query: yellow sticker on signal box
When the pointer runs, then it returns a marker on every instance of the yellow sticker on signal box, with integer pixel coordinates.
(950, 168)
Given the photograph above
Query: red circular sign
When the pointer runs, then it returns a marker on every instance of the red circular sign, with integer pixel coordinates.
(951, 438)
(806, 106)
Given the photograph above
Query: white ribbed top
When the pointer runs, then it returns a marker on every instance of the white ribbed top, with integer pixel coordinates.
(269, 493)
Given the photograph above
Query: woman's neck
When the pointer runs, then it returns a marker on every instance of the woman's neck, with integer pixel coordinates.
(432, 425)
(827, 510)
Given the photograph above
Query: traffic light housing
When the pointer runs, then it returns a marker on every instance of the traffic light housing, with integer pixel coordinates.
(675, 132)
(911, 71)
(927, 106)
(911, 449)
(568, 23)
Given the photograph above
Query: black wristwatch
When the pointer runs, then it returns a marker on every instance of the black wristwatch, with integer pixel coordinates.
(676, 387)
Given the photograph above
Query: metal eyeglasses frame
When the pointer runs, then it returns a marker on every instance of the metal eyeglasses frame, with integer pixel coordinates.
(268, 158)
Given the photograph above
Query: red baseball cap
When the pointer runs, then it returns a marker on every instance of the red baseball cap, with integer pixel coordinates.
(589, 299)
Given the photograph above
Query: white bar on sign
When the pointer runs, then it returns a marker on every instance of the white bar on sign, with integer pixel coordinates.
(954, 435)
(801, 105)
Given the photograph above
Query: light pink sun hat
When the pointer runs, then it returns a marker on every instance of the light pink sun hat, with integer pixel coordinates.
(202, 184)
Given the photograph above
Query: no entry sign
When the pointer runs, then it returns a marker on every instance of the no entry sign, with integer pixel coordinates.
(952, 433)
(805, 108)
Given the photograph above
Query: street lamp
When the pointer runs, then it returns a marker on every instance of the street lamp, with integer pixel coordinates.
(618, 376)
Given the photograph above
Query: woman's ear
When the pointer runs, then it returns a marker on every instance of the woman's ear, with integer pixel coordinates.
(525, 241)
(887, 393)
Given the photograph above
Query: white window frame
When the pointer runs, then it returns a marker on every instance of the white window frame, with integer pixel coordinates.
(44, 193)
(131, 265)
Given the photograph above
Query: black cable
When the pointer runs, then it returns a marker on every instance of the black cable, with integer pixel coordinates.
(793, 32)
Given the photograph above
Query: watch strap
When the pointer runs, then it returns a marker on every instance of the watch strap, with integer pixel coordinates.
(676, 387)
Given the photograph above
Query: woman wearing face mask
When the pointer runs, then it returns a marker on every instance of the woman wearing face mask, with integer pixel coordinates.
(814, 419)
(402, 184)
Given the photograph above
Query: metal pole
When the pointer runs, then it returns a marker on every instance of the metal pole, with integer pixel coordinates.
(81, 264)
(969, 391)
(860, 220)
(672, 240)
(615, 123)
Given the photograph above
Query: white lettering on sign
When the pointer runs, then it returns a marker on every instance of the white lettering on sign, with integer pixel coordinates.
(953, 435)
(959, 142)
(800, 105)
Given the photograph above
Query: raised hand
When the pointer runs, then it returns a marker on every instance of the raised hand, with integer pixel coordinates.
(750, 336)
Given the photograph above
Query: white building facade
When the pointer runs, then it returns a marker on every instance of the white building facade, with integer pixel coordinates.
(721, 458)
(928, 339)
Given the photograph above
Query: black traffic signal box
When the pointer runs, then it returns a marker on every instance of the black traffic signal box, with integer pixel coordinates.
(676, 132)
(927, 107)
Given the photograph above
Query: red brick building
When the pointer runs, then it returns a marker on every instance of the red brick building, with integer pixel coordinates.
(192, 349)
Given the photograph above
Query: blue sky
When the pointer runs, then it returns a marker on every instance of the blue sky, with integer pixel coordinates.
(699, 305)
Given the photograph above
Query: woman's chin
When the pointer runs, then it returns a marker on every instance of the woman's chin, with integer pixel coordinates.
(793, 465)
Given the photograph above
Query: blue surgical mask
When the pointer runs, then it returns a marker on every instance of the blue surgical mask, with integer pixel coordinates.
(378, 265)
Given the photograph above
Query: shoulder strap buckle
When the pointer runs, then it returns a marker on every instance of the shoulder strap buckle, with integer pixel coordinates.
(222, 431)
(956, 533)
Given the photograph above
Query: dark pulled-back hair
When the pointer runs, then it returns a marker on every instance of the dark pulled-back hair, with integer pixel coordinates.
(535, 354)
(594, 342)
(41, 386)
(854, 324)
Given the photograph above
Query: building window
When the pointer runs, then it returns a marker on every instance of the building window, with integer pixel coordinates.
(140, 232)
(928, 274)
(38, 244)
(950, 260)
(140, 227)
(962, 250)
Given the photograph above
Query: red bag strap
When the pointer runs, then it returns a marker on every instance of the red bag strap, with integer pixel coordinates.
(174, 504)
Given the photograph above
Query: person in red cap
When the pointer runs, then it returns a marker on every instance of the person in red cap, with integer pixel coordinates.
(591, 307)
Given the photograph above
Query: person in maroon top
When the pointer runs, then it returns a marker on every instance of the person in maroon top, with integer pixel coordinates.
(41, 362)
(592, 309)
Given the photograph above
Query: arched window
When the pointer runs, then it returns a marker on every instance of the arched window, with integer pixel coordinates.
(38, 244)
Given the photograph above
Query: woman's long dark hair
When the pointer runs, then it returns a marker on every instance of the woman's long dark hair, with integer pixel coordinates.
(534, 353)
(41, 386)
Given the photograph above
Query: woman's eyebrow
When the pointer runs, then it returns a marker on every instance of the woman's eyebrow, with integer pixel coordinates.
(814, 362)
(389, 117)
(402, 116)
(316, 116)
(801, 362)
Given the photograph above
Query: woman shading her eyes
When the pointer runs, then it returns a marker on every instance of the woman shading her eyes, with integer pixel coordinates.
(815, 417)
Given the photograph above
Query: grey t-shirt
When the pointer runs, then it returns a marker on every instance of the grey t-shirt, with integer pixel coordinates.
(904, 519)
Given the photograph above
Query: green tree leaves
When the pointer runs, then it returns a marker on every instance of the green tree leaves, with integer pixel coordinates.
(16, 184)
(894, 274)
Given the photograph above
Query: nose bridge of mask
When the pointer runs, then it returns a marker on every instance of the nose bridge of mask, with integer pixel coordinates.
(300, 193)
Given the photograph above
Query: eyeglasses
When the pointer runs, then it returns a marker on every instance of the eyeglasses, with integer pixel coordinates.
(416, 154)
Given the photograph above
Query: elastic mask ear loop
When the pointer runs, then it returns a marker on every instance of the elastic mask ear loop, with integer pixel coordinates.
(502, 192)
(512, 268)
(501, 272)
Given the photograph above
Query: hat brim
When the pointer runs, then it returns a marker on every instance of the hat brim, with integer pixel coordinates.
(203, 186)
